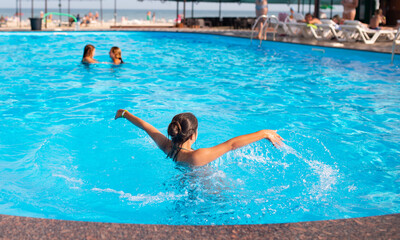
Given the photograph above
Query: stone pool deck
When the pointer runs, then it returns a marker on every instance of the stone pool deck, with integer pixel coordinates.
(379, 227)
(379, 46)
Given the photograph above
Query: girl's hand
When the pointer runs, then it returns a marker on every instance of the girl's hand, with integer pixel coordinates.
(119, 114)
(274, 138)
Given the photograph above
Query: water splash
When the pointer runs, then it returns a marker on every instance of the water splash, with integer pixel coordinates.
(144, 199)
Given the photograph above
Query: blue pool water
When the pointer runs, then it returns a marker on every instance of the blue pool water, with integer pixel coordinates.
(63, 156)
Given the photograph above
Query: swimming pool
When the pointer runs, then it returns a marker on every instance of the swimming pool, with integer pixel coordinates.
(63, 156)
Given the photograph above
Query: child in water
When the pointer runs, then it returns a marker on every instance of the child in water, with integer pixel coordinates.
(88, 54)
(115, 55)
(183, 133)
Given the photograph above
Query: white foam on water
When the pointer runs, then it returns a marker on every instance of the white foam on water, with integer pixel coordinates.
(255, 153)
(327, 175)
(277, 189)
(145, 199)
(68, 179)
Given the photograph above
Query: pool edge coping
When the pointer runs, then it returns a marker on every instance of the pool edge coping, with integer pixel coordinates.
(375, 227)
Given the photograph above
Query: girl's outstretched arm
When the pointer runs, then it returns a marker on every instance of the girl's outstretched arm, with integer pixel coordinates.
(162, 141)
(203, 156)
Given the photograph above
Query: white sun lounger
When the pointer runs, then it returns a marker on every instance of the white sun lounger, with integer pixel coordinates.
(299, 29)
(327, 30)
(355, 30)
(295, 28)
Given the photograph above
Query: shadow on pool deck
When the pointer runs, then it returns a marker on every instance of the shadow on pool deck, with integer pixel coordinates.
(378, 227)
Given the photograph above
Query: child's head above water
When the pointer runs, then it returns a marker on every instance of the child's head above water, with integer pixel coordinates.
(89, 51)
(115, 52)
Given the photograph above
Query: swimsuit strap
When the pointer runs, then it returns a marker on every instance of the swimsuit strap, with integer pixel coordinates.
(185, 149)
(174, 152)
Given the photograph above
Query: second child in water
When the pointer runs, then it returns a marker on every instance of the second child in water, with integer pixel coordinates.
(88, 54)
(116, 55)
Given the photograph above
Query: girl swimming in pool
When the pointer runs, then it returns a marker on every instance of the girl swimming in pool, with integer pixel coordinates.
(116, 55)
(183, 133)
(88, 54)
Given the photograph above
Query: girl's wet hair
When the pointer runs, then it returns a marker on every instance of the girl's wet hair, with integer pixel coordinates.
(87, 52)
(181, 128)
(117, 53)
